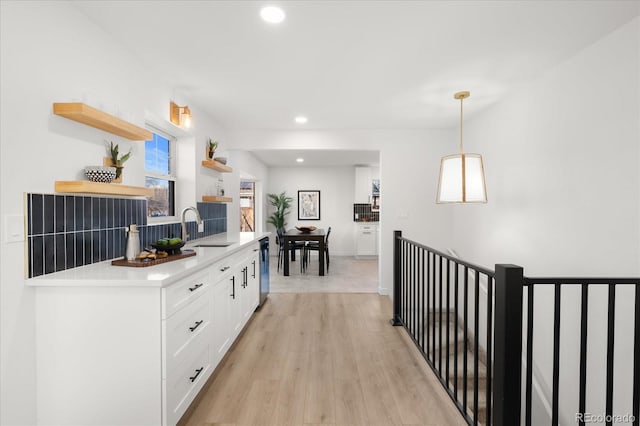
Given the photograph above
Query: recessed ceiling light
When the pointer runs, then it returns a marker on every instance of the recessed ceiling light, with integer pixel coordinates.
(301, 119)
(300, 160)
(272, 14)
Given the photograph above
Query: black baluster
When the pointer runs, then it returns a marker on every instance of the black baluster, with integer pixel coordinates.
(455, 333)
(476, 346)
(556, 355)
(636, 360)
(610, 352)
(529, 372)
(583, 352)
(489, 346)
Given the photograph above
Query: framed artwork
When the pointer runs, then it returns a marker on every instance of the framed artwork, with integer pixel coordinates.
(308, 205)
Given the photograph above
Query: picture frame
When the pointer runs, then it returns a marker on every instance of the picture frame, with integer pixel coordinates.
(309, 205)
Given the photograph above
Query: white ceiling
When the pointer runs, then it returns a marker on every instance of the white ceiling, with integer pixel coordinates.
(352, 64)
(317, 158)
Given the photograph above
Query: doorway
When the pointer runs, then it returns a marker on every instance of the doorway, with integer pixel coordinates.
(247, 206)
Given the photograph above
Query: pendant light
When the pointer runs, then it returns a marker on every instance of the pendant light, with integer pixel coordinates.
(461, 175)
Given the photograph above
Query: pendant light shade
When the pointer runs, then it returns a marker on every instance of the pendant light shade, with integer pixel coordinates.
(460, 184)
(461, 175)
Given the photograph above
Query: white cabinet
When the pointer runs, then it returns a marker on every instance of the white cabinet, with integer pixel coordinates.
(221, 319)
(250, 290)
(245, 289)
(363, 185)
(187, 358)
(126, 355)
(367, 239)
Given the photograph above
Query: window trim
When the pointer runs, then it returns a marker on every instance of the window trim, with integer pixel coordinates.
(172, 176)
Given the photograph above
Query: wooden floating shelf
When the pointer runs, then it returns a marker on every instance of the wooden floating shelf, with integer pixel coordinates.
(88, 187)
(222, 168)
(216, 199)
(93, 117)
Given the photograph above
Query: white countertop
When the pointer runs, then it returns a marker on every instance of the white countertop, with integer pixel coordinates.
(104, 274)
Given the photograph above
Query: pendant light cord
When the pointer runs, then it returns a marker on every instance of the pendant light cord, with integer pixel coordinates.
(461, 100)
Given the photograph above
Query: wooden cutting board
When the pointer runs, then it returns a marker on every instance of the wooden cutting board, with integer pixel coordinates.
(142, 263)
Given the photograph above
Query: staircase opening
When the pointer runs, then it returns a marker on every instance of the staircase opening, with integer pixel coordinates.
(487, 334)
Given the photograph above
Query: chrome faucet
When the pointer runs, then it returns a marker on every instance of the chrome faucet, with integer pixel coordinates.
(184, 225)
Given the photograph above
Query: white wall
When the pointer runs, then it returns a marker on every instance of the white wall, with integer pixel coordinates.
(50, 52)
(561, 156)
(336, 186)
(245, 166)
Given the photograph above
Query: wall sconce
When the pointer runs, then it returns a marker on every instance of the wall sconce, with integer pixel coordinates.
(179, 115)
(461, 175)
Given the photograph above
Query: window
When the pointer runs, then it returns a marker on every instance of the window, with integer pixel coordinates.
(159, 175)
(247, 206)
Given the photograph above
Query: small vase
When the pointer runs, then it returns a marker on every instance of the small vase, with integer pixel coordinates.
(108, 162)
(210, 153)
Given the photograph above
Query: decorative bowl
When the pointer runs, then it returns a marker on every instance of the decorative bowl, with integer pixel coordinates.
(100, 173)
(306, 228)
(169, 248)
(221, 160)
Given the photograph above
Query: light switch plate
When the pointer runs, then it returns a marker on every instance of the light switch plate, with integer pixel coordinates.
(13, 228)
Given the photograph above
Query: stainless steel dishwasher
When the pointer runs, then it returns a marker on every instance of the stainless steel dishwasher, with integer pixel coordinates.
(264, 270)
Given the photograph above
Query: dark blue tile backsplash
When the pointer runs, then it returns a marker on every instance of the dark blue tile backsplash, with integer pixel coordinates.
(363, 213)
(68, 231)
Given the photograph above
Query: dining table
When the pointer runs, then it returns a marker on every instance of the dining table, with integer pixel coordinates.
(296, 235)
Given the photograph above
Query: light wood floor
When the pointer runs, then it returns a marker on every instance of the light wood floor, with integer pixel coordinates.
(345, 275)
(323, 358)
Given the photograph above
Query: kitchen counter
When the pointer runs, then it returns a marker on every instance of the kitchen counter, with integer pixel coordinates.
(104, 274)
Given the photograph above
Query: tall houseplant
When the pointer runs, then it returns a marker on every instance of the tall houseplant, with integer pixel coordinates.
(282, 203)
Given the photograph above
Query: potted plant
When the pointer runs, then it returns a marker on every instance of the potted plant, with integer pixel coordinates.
(116, 160)
(211, 148)
(282, 203)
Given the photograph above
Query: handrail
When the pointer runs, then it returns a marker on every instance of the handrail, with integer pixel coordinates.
(578, 280)
(457, 260)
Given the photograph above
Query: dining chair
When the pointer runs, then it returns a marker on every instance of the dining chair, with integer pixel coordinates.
(293, 245)
(315, 246)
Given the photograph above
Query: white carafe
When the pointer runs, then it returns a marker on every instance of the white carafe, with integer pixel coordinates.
(133, 242)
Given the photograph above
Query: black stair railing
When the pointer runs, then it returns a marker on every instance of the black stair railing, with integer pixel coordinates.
(437, 299)
(485, 380)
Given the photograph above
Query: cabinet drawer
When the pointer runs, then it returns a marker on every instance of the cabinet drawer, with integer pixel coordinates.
(182, 386)
(185, 330)
(223, 268)
(181, 293)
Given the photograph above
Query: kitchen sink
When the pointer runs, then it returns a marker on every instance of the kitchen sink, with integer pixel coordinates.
(223, 244)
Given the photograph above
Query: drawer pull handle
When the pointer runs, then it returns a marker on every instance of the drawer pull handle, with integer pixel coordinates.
(254, 269)
(195, 287)
(233, 286)
(195, 376)
(225, 268)
(256, 249)
(367, 233)
(192, 329)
